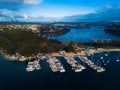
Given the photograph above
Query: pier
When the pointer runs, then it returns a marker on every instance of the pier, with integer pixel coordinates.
(74, 64)
(55, 64)
(33, 66)
(91, 64)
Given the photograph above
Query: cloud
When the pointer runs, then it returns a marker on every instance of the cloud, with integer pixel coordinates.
(32, 2)
(6, 15)
(17, 4)
(106, 13)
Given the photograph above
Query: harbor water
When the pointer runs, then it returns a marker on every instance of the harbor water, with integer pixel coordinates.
(85, 35)
(13, 76)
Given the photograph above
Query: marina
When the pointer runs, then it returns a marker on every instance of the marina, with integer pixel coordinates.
(33, 66)
(55, 64)
(67, 80)
(91, 64)
(74, 64)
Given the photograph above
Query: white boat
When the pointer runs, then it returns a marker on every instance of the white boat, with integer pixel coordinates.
(101, 57)
(37, 67)
(100, 70)
(105, 64)
(106, 54)
(117, 60)
(78, 70)
(62, 70)
(30, 68)
(108, 61)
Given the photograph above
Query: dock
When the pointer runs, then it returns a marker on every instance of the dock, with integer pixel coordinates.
(91, 64)
(33, 66)
(74, 64)
(55, 64)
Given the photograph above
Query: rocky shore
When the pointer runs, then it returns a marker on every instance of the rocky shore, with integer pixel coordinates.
(15, 57)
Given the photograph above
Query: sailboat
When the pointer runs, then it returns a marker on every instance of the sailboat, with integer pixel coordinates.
(118, 60)
(105, 64)
(103, 61)
(106, 54)
(108, 61)
(101, 57)
(92, 58)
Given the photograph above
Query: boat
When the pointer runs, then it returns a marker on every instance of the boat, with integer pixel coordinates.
(33, 66)
(117, 60)
(100, 69)
(62, 70)
(105, 64)
(30, 68)
(78, 70)
(101, 57)
(37, 67)
(108, 61)
(106, 54)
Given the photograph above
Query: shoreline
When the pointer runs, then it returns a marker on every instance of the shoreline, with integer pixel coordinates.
(86, 52)
(10, 57)
(57, 54)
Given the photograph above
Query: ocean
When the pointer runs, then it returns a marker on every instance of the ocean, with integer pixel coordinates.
(13, 76)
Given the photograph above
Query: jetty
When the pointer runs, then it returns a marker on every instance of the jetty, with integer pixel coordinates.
(55, 64)
(33, 66)
(91, 64)
(74, 64)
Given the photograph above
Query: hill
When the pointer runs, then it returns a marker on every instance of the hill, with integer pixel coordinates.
(26, 43)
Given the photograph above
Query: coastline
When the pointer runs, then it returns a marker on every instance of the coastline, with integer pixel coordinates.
(86, 52)
(10, 57)
(57, 54)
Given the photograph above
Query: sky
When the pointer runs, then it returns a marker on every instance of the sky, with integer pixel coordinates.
(42, 9)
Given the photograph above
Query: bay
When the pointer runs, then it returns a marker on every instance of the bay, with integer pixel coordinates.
(13, 76)
(85, 35)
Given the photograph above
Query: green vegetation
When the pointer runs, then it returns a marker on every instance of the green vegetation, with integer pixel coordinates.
(102, 44)
(26, 43)
(113, 29)
(70, 48)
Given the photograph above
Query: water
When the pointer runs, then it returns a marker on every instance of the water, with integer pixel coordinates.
(13, 76)
(85, 35)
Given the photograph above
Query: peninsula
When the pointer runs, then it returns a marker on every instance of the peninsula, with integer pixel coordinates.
(24, 42)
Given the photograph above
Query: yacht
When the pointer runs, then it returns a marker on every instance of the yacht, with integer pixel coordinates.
(117, 60)
(101, 57)
(78, 70)
(100, 69)
(62, 70)
(106, 54)
(105, 64)
(30, 68)
(108, 61)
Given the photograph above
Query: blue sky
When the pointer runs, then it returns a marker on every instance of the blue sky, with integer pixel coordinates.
(24, 9)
